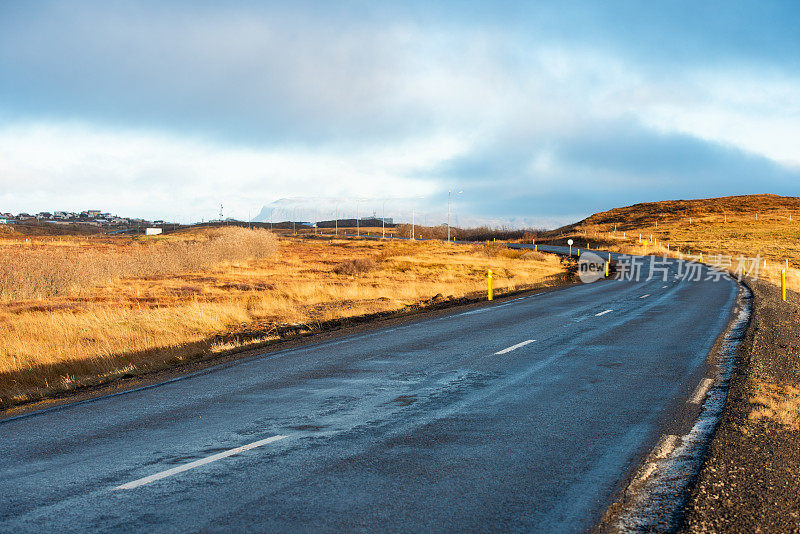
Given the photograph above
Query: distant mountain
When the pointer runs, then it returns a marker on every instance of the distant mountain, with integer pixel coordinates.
(310, 209)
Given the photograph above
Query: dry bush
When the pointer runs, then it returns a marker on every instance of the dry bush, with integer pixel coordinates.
(45, 272)
(500, 250)
(535, 255)
(481, 233)
(354, 266)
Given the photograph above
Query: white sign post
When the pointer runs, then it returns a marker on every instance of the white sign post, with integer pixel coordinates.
(569, 242)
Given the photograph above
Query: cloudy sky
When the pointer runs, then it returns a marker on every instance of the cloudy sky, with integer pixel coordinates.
(540, 112)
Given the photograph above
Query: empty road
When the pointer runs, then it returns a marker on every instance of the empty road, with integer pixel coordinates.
(520, 415)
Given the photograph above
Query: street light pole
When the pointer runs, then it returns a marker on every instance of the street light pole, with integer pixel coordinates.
(449, 196)
(413, 208)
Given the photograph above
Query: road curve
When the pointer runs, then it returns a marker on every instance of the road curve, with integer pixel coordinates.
(521, 415)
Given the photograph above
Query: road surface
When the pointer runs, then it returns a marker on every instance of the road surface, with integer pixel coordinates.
(520, 415)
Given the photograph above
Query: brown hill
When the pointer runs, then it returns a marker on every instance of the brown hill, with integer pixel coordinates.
(753, 228)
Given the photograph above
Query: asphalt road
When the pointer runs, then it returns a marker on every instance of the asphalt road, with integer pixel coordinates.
(521, 415)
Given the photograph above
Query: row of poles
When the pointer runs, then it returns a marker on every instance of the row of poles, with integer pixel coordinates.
(450, 196)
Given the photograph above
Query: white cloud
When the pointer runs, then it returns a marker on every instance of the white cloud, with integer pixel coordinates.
(755, 111)
(72, 166)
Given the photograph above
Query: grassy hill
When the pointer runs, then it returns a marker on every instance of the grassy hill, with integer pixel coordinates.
(766, 227)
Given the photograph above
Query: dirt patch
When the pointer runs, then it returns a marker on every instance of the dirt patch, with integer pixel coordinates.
(750, 482)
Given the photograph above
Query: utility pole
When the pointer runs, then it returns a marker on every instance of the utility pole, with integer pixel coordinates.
(358, 222)
(449, 197)
(337, 219)
(383, 221)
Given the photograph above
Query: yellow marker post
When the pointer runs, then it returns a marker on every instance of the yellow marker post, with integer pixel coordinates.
(536, 248)
(490, 285)
(608, 263)
(783, 284)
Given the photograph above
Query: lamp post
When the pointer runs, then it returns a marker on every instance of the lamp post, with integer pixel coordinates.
(449, 197)
(412, 221)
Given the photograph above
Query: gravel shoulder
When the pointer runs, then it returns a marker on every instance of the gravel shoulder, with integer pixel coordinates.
(750, 481)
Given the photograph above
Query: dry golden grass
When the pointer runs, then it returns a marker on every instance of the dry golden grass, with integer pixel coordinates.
(128, 325)
(40, 268)
(778, 403)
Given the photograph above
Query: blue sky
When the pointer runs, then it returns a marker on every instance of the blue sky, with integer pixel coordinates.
(540, 112)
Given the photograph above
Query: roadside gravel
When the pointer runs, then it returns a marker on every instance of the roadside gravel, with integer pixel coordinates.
(750, 481)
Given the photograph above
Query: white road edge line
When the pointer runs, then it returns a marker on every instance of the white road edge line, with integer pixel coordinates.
(513, 347)
(197, 463)
(645, 296)
(666, 444)
(701, 390)
(602, 313)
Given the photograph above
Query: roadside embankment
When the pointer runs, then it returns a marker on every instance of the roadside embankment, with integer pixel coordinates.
(750, 481)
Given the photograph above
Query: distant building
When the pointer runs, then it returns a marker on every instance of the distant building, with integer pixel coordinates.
(93, 214)
(3, 221)
(60, 215)
(152, 231)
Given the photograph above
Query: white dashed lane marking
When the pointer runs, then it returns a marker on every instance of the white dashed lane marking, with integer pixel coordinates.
(514, 347)
(701, 390)
(197, 463)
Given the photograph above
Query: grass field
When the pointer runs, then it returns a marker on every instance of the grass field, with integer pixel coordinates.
(80, 311)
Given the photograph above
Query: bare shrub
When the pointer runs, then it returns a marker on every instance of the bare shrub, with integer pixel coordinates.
(482, 233)
(354, 267)
(34, 273)
(500, 250)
